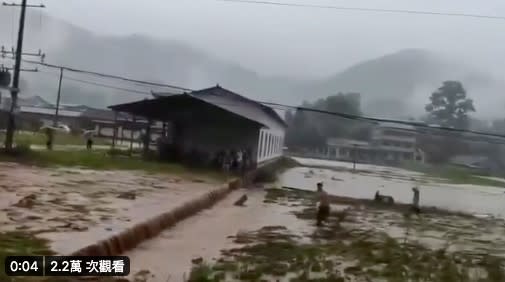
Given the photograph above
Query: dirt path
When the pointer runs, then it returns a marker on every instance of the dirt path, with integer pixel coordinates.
(203, 236)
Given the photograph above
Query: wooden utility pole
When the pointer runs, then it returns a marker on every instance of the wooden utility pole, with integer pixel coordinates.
(55, 120)
(17, 69)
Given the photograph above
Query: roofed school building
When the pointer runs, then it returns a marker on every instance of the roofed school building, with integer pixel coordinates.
(390, 144)
(211, 120)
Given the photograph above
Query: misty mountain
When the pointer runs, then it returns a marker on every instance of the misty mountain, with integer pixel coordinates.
(395, 85)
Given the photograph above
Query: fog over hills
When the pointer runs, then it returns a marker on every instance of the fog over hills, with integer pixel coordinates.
(394, 85)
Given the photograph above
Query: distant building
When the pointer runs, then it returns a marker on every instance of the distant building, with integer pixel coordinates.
(389, 144)
(395, 142)
(212, 120)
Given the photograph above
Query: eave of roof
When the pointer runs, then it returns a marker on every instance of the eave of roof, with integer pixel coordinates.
(209, 97)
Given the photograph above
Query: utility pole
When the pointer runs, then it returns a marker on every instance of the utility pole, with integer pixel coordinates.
(55, 121)
(354, 152)
(17, 69)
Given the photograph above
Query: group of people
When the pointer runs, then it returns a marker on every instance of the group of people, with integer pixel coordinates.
(234, 160)
(323, 210)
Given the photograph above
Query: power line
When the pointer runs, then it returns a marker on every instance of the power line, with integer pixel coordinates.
(107, 75)
(383, 120)
(101, 84)
(357, 9)
(277, 105)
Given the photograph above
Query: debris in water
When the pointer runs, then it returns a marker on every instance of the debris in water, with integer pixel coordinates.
(198, 260)
(127, 196)
(241, 201)
(26, 202)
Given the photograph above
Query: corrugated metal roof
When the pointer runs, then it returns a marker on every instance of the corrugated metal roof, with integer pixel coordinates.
(241, 106)
(226, 100)
(48, 111)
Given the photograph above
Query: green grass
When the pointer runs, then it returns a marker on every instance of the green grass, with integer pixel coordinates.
(20, 244)
(39, 138)
(100, 160)
(455, 175)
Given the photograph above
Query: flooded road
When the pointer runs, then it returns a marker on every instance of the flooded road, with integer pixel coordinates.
(168, 257)
(397, 183)
(74, 208)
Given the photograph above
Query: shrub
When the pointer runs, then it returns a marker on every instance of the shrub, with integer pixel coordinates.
(200, 273)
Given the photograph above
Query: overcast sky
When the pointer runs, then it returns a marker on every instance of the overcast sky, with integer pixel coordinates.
(300, 41)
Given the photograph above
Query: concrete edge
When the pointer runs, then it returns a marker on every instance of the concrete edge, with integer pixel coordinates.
(133, 236)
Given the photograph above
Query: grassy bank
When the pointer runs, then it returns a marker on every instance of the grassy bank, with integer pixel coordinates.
(454, 175)
(39, 138)
(20, 244)
(100, 159)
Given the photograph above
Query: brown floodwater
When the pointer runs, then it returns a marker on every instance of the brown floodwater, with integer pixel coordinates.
(168, 257)
(475, 199)
(77, 207)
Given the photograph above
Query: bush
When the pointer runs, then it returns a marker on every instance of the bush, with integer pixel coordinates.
(200, 273)
(20, 150)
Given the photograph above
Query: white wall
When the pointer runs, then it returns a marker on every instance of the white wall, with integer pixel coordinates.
(270, 144)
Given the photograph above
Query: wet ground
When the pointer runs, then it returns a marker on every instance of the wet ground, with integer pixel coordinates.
(339, 180)
(359, 243)
(76, 207)
(168, 257)
(274, 236)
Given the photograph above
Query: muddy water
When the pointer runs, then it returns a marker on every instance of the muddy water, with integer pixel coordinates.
(397, 183)
(168, 257)
(74, 208)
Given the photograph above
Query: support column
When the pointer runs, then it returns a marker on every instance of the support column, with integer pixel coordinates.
(132, 127)
(147, 138)
(114, 131)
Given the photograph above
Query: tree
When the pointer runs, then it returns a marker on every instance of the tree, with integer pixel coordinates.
(310, 130)
(449, 106)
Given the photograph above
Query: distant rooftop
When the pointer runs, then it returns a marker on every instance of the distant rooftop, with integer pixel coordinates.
(394, 125)
(47, 111)
(346, 142)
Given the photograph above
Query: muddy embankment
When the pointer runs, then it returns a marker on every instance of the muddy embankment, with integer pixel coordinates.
(131, 237)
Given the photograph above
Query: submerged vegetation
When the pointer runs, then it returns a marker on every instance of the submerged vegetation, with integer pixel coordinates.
(454, 175)
(344, 250)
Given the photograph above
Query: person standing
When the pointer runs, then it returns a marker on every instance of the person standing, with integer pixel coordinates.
(50, 137)
(415, 200)
(323, 210)
(88, 135)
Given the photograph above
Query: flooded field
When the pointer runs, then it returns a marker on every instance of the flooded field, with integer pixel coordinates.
(274, 237)
(76, 207)
(339, 180)
(359, 243)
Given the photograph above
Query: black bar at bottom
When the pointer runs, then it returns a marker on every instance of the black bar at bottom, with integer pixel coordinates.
(86, 266)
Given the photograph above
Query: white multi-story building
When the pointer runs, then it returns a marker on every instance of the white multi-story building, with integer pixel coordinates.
(395, 142)
(389, 143)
